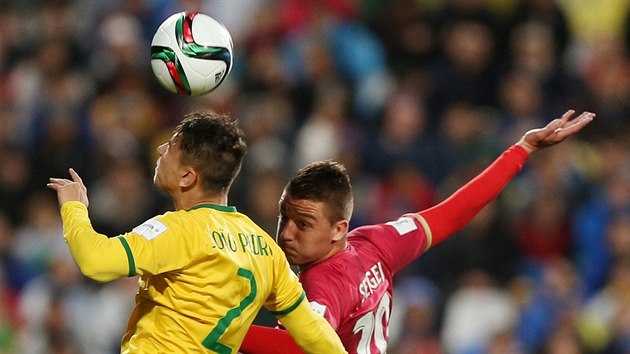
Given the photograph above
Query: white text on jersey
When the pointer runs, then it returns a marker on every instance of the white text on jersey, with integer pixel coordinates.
(373, 277)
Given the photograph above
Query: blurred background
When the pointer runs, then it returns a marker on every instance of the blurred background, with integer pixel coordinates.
(415, 97)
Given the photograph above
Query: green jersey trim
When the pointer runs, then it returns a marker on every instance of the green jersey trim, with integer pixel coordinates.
(132, 264)
(293, 307)
(214, 206)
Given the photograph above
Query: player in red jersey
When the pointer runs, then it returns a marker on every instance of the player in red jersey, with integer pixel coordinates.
(347, 276)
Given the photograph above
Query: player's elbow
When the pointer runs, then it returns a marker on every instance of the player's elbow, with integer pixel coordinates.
(95, 271)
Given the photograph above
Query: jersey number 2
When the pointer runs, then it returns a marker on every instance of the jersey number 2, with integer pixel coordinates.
(212, 340)
(371, 326)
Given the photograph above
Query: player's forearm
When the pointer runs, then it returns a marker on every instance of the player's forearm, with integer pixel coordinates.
(456, 211)
(311, 331)
(97, 256)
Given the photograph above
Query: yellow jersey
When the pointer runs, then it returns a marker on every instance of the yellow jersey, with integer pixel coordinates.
(204, 275)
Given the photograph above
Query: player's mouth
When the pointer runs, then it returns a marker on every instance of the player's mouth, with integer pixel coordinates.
(287, 250)
(291, 256)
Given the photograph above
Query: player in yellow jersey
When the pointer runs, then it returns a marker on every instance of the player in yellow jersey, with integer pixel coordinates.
(205, 269)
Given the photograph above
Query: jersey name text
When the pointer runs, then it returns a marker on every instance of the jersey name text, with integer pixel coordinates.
(251, 243)
(373, 277)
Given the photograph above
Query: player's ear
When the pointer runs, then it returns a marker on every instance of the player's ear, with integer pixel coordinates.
(188, 177)
(341, 229)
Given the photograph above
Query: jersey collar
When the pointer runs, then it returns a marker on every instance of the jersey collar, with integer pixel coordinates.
(226, 208)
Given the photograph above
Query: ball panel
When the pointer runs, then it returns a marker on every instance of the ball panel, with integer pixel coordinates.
(200, 75)
(176, 69)
(207, 31)
(163, 76)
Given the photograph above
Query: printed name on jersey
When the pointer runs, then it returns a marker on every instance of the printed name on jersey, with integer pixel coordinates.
(251, 243)
(150, 229)
(372, 279)
(318, 308)
(403, 225)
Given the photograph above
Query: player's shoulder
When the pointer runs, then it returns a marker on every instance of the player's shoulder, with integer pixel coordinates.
(336, 264)
(171, 218)
(168, 221)
(399, 226)
(368, 233)
(158, 225)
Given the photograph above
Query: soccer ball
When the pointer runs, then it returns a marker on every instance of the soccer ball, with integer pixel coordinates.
(191, 53)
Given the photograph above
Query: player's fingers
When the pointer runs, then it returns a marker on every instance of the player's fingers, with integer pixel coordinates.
(579, 119)
(567, 115)
(549, 129)
(52, 186)
(75, 176)
(60, 181)
(576, 125)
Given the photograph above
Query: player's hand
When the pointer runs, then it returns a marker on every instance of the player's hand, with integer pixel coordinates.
(556, 131)
(69, 190)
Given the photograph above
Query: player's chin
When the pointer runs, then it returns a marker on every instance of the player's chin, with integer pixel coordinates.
(291, 255)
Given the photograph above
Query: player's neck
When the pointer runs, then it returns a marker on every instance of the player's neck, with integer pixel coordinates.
(339, 246)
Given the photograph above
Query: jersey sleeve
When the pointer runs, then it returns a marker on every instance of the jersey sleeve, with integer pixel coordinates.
(397, 242)
(267, 340)
(288, 303)
(160, 244)
(287, 292)
(323, 296)
(98, 257)
(456, 211)
(311, 331)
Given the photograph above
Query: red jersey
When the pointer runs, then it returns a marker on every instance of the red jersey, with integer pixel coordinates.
(363, 273)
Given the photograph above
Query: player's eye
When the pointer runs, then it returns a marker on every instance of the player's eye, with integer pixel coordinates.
(303, 225)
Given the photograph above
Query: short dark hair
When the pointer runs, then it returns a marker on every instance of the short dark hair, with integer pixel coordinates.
(214, 145)
(327, 182)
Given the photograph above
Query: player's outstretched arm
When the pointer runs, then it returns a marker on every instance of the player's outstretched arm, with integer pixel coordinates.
(451, 215)
(99, 257)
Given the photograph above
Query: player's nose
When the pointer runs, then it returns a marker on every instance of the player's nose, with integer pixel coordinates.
(285, 231)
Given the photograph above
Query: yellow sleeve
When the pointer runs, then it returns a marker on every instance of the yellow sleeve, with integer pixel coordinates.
(311, 331)
(287, 289)
(98, 257)
(164, 243)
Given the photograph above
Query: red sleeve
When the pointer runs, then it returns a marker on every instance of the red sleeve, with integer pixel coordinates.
(456, 211)
(267, 340)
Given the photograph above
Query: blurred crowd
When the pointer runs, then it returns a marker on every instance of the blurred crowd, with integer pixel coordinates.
(415, 97)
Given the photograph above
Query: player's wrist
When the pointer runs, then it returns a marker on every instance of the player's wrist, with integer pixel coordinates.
(527, 147)
(521, 150)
